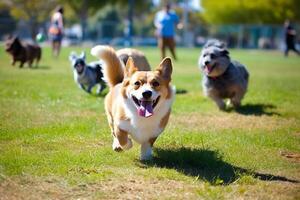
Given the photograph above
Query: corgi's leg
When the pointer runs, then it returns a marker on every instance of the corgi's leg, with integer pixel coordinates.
(146, 151)
(116, 145)
(122, 138)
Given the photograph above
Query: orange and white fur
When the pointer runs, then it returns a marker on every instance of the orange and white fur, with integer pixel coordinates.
(138, 104)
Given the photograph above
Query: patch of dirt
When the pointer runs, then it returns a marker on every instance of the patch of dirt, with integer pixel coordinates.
(278, 191)
(201, 122)
(291, 156)
(28, 188)
(141, 188)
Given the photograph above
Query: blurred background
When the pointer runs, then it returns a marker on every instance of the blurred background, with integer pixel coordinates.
(241, 23)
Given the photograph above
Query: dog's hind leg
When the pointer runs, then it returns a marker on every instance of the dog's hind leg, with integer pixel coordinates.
(13, 62)
(30, 63)
(236, 99)
(89, 89)
(21, 64)
(37, 62)
(101, 88)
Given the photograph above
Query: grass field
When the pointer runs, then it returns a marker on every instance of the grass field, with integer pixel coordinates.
(55, 142)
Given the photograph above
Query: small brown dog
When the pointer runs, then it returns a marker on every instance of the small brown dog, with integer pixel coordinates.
(22, 52)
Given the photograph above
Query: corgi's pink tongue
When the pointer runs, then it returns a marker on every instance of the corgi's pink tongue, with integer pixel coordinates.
(145, 109)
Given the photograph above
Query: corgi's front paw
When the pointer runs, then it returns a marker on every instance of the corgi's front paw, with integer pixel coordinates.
(116, 145)
(146, 152)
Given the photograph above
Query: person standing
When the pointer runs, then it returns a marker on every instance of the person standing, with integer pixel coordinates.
(165, 22)
(56, 30)
(290, 34)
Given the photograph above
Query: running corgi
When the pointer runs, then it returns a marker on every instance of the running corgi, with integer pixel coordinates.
(138, 104)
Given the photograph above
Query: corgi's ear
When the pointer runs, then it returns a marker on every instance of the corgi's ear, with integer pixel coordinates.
(165, 69)
(130, 67)
(82, 55)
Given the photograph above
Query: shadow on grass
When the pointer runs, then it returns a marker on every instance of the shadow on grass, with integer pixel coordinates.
(101, 95)
(206, 165)
(42, 67)
(181, 91)
(256, 109)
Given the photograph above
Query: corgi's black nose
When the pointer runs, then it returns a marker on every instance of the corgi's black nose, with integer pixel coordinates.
(147, 94)
(206, 63)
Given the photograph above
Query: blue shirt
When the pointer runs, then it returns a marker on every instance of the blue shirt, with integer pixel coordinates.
(165, 23)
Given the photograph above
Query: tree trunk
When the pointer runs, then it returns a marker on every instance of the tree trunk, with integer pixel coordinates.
(83, 18)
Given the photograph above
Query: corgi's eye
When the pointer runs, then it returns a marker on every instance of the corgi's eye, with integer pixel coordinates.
(213, 56)
(155, 84)
(137, 83)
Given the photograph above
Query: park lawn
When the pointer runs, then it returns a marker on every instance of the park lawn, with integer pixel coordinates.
(55, 142)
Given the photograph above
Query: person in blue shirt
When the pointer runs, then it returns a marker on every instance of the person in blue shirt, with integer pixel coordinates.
(165, 22)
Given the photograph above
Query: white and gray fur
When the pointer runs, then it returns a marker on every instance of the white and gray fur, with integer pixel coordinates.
(222, 78)
(87, 75)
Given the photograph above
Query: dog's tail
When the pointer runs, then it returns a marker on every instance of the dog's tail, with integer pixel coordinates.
(112, 70)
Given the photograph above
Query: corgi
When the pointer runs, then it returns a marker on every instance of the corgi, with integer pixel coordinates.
(138, 104)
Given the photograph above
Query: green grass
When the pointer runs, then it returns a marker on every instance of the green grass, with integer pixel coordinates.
(55, 141)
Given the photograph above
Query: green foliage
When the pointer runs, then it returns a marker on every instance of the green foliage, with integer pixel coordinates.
(35, 10)
(256, 11)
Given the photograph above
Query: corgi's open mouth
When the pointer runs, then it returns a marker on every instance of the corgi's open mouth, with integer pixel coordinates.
(209, 68)
(145, 107)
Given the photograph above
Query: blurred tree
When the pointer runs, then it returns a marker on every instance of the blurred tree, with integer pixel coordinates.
(35, 11)
(254, 11)
(84, 8)
(6, 18)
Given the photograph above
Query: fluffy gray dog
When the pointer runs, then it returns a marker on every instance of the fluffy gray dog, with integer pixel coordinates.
(222, 78)
(87, 75)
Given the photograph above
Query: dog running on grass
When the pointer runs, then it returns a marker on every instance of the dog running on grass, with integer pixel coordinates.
(138, 104)
(222, 78)
(87, 75)
(23, 52)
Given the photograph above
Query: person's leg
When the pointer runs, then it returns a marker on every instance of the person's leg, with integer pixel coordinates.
(58, 48)
(161, 45)
(172, 46)
(286, 51)
(53, 47)
(295, 50)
